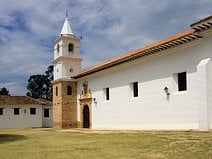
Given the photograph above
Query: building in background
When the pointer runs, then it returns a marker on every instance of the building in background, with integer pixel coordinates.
(166, 85)
(24, 112)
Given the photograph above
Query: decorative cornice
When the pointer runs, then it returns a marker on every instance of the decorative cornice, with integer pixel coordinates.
(73, 38)
(66, 58)
(63, 80)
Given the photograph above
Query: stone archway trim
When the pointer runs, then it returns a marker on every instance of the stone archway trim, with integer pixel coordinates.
(84, 102)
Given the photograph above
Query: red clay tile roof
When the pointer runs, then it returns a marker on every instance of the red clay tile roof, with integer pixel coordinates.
(130, 54)
(20, 100)
(202, 20)
(176, 40)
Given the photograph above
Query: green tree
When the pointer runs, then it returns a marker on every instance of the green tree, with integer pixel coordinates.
(4, 91)
(39, 86)
(48, 82)
(49, 72)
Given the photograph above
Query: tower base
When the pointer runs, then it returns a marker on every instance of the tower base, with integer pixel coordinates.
(64, 104)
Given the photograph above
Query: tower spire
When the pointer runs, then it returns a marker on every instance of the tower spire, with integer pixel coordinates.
(66, 30)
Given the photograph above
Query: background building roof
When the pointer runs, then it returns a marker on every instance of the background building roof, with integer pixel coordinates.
(20, 100)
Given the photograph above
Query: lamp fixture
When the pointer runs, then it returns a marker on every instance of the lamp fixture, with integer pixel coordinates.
(94, 100)
(166, 89)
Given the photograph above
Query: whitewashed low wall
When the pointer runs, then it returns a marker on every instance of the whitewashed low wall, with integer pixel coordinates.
(23, 120)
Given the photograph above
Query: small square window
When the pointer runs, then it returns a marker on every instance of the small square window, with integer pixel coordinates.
(1, 111)
(16, 111)
(32, 111)
(46, 112)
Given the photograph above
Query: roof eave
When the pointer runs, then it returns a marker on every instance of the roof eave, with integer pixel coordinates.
(203, 24)
(143, 53)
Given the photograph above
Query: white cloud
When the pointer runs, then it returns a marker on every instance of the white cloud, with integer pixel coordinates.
(109, 28)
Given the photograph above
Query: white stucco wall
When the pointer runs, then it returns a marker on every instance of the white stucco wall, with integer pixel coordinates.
(74, 64)
(58, 70)
(47, 121)
(209, 92)
(23, 120)
(152, 109)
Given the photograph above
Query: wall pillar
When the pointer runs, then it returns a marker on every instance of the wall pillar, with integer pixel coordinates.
(203, 96)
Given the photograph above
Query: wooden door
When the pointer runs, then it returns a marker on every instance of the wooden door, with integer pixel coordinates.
(86, 117)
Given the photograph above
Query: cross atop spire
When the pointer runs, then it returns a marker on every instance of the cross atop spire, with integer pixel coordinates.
(66, 13)
(66, 30)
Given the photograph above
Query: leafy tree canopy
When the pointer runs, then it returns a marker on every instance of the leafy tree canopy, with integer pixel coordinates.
(39, 86)
(4, 91)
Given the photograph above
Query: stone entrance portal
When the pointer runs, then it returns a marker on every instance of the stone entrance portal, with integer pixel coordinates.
(85, 107)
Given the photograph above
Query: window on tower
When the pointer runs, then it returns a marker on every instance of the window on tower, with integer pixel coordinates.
(69, 90)
(56, 91)
(70, 47)
(58, 48)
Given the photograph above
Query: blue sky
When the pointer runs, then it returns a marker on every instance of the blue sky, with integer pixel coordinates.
(108, 28)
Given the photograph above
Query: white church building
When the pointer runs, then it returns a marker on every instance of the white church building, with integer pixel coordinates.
(164, 86)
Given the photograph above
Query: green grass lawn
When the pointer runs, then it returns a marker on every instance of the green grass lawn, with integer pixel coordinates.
(87, 144)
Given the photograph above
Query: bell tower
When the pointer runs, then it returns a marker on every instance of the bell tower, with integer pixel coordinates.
(67, 63)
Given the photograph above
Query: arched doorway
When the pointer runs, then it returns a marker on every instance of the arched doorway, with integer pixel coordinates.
(86, 117)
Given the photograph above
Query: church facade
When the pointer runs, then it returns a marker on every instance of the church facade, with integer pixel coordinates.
(163, 86)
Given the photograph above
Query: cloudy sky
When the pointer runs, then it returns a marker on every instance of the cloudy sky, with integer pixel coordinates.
(108, 28)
